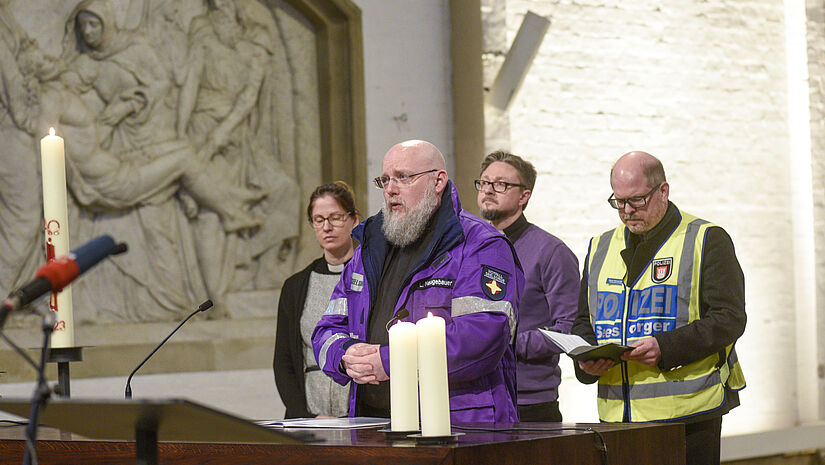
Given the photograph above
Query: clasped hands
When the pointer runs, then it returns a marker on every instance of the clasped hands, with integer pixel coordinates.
(645, 351)
(362, 362)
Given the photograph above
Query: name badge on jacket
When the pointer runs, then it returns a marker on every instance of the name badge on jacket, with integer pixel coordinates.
(357, 282)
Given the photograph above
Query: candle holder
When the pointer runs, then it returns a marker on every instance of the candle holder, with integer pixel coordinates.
(432, 440)
(391, 434)
(63, 356)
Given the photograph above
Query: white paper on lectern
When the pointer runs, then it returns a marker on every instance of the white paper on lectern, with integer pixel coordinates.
(331, 423)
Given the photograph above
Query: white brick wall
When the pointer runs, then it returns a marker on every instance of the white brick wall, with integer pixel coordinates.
(702, 86)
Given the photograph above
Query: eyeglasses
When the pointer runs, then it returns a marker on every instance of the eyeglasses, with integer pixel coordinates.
(635, 202)
(336, 220)
(498, 186)
(382, 182)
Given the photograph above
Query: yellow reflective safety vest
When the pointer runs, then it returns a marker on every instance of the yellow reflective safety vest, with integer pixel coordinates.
(665, 296)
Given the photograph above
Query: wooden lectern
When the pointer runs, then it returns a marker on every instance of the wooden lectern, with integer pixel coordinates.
(189, 434)
(148, 421)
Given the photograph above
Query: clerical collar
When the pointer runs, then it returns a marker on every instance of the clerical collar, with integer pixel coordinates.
(515, 230)
(336, 268)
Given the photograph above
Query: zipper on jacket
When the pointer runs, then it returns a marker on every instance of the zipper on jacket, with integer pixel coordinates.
(625, 375)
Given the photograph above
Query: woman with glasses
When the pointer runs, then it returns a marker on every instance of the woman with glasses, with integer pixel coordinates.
(305, 390)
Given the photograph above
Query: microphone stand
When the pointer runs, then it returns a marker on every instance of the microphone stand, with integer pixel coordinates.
(202, 307)
(41, 394)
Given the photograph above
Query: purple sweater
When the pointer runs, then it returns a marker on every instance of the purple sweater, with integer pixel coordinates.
(549, 300)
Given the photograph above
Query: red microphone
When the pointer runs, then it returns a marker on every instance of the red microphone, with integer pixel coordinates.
(60, 272)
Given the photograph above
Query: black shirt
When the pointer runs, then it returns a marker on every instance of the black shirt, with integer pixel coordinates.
(399, 264)
(515, 230)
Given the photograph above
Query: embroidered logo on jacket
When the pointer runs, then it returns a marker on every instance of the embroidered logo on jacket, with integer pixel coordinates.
(494, 282)
(356, 282)
(661, 269)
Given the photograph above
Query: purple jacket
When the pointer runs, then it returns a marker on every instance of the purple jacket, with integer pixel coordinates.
(550, 300)
(470, 276)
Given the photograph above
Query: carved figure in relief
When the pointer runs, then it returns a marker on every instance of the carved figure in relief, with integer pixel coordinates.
(21, 221)
(180, 141)
(138, 130)
(226, 110)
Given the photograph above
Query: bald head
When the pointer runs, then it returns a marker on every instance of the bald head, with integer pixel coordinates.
(638, 182)
(634, 165)
(416, 152)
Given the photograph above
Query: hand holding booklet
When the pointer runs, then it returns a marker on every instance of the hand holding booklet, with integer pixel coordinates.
(580, 350)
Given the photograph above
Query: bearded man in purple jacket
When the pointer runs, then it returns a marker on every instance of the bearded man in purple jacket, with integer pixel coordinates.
(551, 290)
(424, 254)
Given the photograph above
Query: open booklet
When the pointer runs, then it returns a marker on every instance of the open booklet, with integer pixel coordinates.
(580, 350)
(334, 423)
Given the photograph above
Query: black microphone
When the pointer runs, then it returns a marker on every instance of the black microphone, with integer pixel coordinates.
(60, 272)
(201, 308)
(401, 314)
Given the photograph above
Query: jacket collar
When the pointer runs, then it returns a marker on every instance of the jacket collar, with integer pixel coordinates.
(515, 230)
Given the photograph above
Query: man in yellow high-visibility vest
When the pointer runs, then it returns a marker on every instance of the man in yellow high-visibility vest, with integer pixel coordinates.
(668, 284)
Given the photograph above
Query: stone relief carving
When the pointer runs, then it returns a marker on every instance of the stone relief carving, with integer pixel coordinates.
(21, 218)
(181, 141)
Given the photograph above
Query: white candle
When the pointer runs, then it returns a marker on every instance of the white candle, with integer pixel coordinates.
(403, 377)
(56, 225)
(432, 376)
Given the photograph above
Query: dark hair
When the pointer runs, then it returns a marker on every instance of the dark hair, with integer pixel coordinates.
(340, 191)
(525, 169)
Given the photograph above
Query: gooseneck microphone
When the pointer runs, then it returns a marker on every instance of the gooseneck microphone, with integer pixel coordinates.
(201, 308)
(60, 272)
(401, 314)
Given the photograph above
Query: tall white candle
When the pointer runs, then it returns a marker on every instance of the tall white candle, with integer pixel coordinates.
(403, 377)
(432, 376)
(56, 225)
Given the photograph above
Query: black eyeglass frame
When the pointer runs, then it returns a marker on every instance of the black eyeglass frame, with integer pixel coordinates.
(635, 202)
(381, 182)
(480, 183)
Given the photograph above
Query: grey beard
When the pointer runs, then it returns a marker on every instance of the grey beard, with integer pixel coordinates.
(402, 231)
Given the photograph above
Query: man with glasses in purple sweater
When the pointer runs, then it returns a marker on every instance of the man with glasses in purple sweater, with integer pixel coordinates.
(551, 273)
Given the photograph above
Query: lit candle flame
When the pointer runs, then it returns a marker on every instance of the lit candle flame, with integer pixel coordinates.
(429, 314)
(51, 131)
